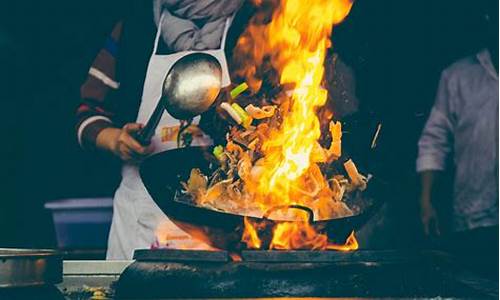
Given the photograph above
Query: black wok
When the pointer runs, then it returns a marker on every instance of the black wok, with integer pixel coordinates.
(163, 173)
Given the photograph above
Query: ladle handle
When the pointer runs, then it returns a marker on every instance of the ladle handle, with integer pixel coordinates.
(141, 137)
(144, 135)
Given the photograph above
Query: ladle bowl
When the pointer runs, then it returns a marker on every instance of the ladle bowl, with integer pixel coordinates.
(191, 86)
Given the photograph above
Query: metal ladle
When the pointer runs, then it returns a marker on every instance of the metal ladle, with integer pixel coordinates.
(191, 86)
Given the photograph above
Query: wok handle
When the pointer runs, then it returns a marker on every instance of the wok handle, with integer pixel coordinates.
(309, 211)
(146, 133)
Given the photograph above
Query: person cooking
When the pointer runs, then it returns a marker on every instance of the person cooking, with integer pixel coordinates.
(142, 47)
(109, 114)
(464, 121)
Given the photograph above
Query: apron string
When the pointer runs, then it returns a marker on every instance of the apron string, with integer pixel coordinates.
(226, 29)
(158, 34)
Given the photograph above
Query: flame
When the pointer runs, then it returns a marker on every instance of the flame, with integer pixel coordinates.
(294, 43)
(250, 236)
(296, 235)
(301, 31)
(350, 244)
(191, 238)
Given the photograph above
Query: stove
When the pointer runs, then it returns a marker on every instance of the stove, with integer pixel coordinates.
(164, 274)
(174, 274)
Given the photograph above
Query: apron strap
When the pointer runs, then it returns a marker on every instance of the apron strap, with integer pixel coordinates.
(226, 29)
(158, 34)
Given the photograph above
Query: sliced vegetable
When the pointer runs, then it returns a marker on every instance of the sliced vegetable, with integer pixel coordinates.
(230, 110)
(238, 90)
(246, 120)
(218, 151)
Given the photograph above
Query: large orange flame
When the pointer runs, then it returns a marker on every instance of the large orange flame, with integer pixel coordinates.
(295, 43)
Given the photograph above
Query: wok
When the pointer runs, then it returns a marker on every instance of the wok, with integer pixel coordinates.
(163, 173)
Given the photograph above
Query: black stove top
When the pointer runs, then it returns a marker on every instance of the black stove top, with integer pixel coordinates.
(164, 273)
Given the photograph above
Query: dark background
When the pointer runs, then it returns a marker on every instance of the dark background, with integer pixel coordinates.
(397, 49)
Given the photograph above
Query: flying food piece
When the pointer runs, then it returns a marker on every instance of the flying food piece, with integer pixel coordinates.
(357, 179)
(336, 145)
(375, 137)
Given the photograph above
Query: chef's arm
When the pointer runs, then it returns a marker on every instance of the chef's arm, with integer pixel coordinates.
(95, 113)
(95, 127)
(433, 148)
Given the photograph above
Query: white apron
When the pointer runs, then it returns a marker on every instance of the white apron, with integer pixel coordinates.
(137, 220)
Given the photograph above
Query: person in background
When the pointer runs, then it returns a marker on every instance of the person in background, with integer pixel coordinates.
(464, 123)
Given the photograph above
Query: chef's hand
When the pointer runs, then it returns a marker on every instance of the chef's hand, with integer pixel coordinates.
(120, 142)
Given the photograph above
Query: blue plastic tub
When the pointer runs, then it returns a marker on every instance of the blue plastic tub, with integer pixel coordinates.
(82, 223)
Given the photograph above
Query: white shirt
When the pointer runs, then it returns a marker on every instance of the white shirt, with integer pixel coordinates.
(464, 122)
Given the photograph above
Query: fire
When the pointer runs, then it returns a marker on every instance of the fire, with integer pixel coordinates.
(295, 43)
(300, 34)
(271, 166)
(298, 235)
(169, 236)
(250, 235)
(350, 244)
(295, 235)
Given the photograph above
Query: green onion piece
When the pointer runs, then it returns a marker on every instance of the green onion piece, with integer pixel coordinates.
(246, 120)
(238, 90)
(240, 111)
(218, 151)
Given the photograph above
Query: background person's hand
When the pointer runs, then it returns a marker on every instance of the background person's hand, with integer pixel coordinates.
(428, 214)
(121, 142)
(430, 220)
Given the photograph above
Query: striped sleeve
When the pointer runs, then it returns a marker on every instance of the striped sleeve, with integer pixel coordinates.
(94, 113)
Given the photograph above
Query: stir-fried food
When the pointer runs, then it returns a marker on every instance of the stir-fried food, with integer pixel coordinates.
(231, 187)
